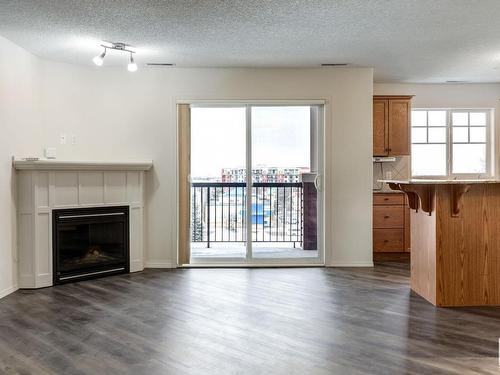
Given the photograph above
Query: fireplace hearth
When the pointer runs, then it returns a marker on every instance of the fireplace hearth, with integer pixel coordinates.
(90, 242)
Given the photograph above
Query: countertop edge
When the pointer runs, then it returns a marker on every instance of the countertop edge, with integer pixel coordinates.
(439, 182)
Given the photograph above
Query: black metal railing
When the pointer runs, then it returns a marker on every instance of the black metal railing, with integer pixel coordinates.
(219, 212)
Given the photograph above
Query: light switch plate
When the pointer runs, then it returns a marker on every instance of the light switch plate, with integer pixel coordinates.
(50, 153)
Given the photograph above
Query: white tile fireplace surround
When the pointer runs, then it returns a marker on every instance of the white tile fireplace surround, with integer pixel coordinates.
(45, 185)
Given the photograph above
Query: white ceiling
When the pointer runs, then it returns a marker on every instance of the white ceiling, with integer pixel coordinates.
(404, 40)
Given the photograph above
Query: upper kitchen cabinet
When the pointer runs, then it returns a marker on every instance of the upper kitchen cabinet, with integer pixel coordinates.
(391, 125)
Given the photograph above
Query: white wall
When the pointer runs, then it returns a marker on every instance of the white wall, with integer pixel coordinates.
(450, 96)
(20, 135)
(116, 114)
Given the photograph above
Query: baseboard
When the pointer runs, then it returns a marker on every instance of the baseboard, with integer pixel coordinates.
(8, 291)
(391, 257)
(160, 265)
(349, 264)
(331, 264)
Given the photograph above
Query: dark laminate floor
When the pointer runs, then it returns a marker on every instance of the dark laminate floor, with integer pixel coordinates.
(244, 321)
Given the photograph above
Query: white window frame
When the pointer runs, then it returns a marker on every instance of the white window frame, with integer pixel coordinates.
(449, 144)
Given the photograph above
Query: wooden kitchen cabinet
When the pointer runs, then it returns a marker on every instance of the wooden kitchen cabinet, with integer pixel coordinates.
(388, 217)
(382, 199)
(391, 223)
(391, 125)
(388, 240)
(380, 114)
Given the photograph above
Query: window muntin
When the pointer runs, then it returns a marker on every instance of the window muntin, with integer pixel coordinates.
(449, 142)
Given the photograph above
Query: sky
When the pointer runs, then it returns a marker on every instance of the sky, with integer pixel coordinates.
(280, 138)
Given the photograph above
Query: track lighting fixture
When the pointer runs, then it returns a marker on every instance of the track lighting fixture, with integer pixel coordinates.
(99, 60)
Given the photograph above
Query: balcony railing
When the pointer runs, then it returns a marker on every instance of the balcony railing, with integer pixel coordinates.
(219, 212)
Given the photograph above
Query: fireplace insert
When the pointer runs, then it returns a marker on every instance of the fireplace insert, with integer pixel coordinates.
(90, 242)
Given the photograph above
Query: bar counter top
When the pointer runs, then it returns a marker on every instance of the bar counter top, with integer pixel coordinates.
(421, 181)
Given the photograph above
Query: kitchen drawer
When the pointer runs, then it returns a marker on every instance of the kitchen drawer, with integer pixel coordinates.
(388, 216)
(388, 240)
(388, 198)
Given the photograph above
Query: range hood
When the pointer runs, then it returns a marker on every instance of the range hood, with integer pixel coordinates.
(383, 159)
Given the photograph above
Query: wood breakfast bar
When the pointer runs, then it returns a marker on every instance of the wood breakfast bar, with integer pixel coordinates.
(455, 240)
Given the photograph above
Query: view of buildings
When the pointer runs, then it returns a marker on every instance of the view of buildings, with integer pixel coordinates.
(264, 174)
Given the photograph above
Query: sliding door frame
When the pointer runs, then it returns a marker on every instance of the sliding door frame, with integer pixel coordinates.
(184, 183)
(249, 260)
(248, 203)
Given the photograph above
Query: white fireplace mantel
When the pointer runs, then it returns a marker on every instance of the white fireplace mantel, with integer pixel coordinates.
(85, 165)
(45, 185)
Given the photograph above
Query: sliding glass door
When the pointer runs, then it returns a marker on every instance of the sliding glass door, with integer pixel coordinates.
(218, 188)
(255, 174)
(281, 168)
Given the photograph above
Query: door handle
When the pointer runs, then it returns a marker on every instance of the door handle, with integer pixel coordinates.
(317, 182)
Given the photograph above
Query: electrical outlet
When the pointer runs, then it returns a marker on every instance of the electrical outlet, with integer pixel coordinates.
(50, 152)
(62, 139)
(73, 139)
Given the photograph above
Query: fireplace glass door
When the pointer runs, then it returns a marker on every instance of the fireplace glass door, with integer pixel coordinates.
(90, 242)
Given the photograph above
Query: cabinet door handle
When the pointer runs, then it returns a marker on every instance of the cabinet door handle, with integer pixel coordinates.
(386, 199)
(386, 217)
(385, 241)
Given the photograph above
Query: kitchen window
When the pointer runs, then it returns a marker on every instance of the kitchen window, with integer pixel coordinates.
(451, 142)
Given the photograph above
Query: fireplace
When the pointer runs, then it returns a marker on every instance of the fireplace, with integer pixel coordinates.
(90, 242)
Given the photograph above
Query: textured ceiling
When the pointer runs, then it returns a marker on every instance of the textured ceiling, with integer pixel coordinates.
(403, 40)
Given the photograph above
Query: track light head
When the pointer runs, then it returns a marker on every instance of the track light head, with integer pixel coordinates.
(132, 66)
(98, 60)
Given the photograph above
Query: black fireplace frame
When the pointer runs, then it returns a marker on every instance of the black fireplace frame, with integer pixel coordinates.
(89, 212)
